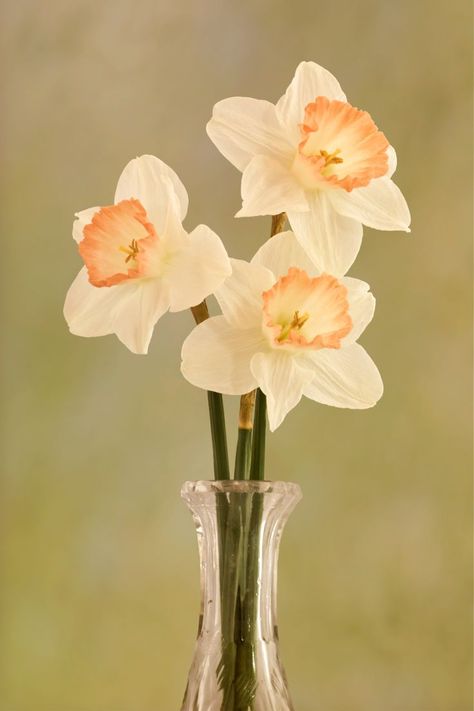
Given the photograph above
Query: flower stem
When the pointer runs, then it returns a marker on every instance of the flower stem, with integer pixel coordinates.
(278, 223)
(239, 524)
(219, 438)
(257, 464)
(216, 414)
(246, 668)
(249, 463)
(244, 441)
(200, 312)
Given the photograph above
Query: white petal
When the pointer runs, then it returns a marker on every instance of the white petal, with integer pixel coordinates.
(282, 252)
(129, 310)
(137, 318)
(331, 241)
(361, 307)
(310, 81)
(268, 188)
(392, 161)
(197, 270)
(157, 187)
(173, 236)
(240, 296)
(242, 128)
(345, 378)
(83, 218)
(88, 309)
(282, 378)
(380, 205)
(216, 356)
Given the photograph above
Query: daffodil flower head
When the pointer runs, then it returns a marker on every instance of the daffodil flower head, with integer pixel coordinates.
(289, 330)
(139, 261)
(317, 158)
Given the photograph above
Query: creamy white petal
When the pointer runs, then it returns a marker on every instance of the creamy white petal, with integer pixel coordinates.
(130, 310)
(197, 270)
(283, 379)
(157, 187)
(344, 378)
(240, 296)
(173, 236)
(282, 252)
(392, 161)
(310, 80)
(83, 218)
(361, 307)
(242, 128)
(88, 309)
(331, 240)
(268, 188)
(216, 356)
(380, 205)
(138, 316)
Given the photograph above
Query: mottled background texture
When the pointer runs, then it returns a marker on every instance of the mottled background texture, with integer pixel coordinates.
(98, 558)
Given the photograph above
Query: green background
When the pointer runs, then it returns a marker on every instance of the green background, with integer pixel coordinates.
(99, 573)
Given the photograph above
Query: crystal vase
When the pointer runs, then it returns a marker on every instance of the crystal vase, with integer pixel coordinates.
(236, 664)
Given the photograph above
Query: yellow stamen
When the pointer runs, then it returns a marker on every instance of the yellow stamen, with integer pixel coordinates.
(297, 323)
(331, 158)
(132, 250)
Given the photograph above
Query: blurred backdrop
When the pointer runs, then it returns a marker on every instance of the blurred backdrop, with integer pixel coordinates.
(99, 570)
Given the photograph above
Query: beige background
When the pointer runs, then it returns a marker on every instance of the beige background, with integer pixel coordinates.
(98, 564)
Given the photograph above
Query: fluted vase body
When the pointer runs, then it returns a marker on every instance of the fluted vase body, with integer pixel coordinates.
(236, 664)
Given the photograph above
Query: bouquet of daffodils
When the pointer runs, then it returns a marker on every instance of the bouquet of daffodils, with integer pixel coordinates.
(290, 319)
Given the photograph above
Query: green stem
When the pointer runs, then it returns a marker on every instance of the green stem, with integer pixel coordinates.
(216, 414)
(221, 471)
(257, 465)
(237, 669)
(251, 561)
(245, 662)
(231, 555)
(243, 454)
(244, 440)
(252, 577)
(219, 437)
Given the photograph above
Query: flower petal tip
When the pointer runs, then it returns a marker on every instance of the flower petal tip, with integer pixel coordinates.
(208, 128)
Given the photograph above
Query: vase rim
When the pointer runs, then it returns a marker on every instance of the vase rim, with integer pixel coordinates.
(241, 486)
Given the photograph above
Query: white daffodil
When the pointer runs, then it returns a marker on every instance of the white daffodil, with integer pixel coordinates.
(139, 261)
(317, 158)
(289, 330)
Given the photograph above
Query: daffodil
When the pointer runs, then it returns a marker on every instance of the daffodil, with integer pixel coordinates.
(288, 329)
(139, 261)
(317, 158)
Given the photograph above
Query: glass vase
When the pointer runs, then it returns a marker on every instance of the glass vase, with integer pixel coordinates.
(236, 664)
